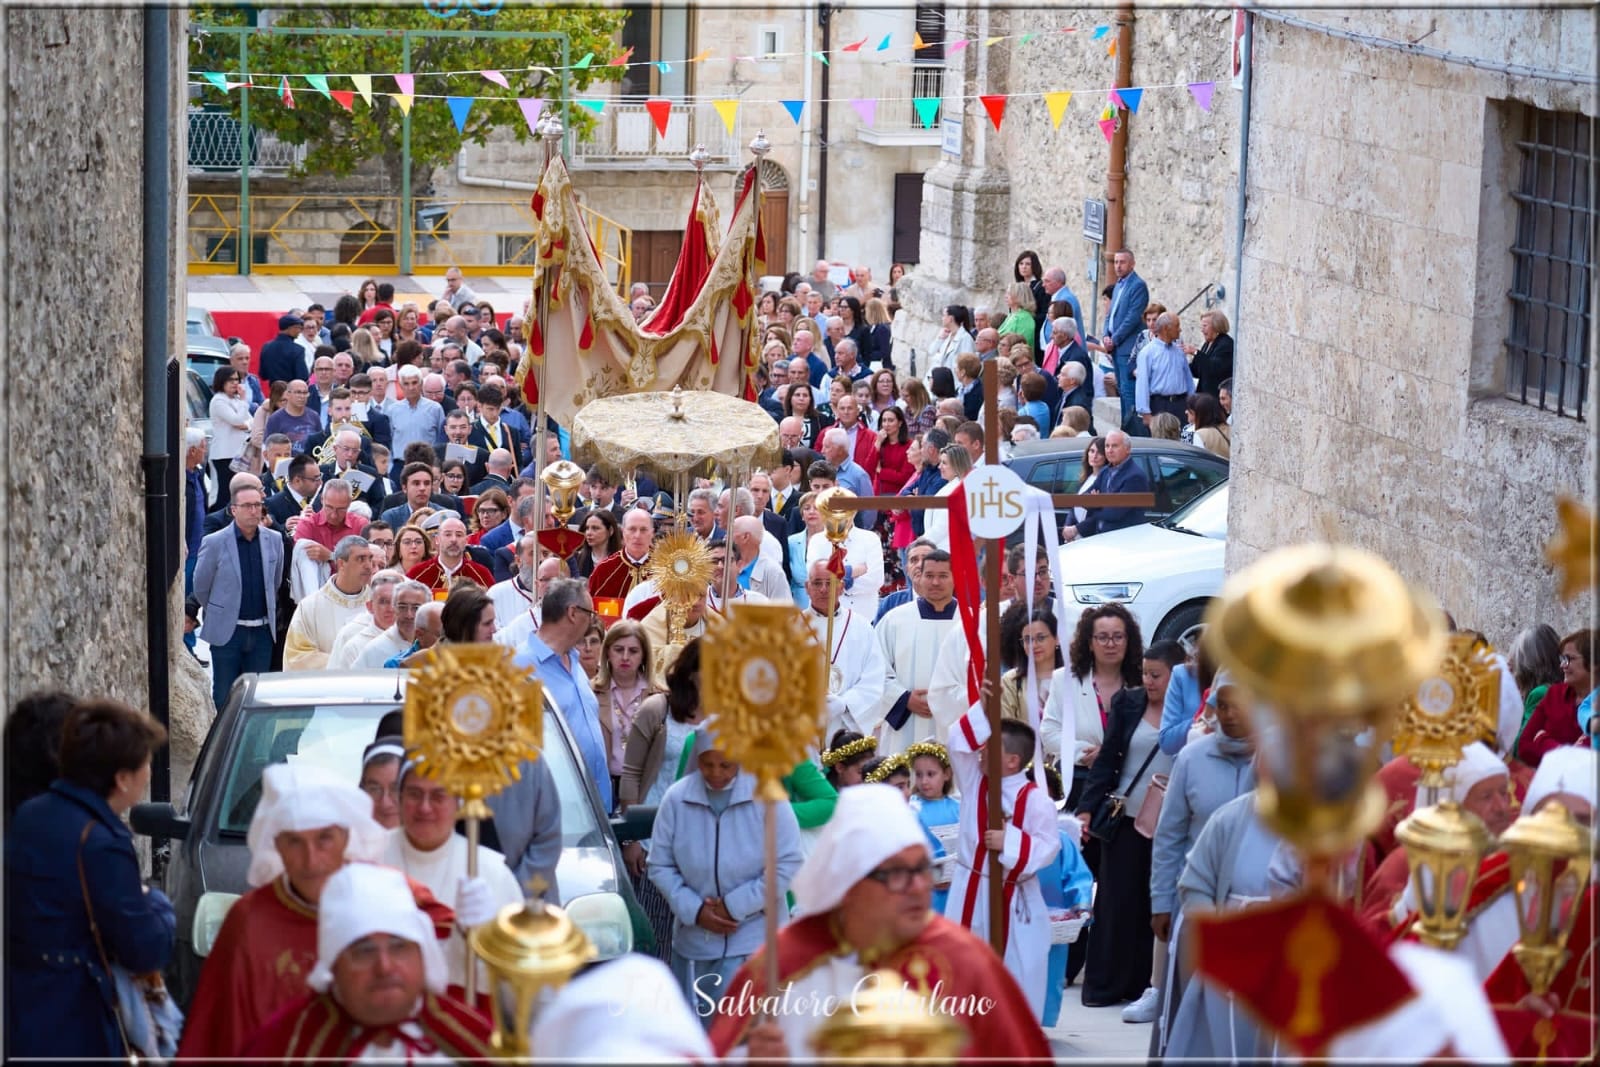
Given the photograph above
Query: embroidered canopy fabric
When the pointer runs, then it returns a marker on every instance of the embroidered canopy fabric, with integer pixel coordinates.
(668, 434)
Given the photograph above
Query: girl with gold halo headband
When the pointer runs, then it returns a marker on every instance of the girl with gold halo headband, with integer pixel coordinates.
(859, 746)
(885, 766)
(927, 748)
(847, 751)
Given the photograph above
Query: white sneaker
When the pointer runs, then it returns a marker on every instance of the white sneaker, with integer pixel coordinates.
(1145, 1009)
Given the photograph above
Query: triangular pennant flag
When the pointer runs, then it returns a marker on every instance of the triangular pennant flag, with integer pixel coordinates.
(363, 84)
(319, 82)
(404, 100)
(1113, 101)
(992, 41)
(996, 107)
(1108, 127)
(1130, 98)
(531, 107)
(346, 99)
(867, 108)
(285, 93)
(704, 54)
(1201, 91)
(1057, 103)
(917, 43)
(793, 107)
(1027, 37)
(583, 64)
(496, 77)
(820, 56)
(219, 80)
(956, 46)
(1099, 32)
(729, 110)
(1111, 49)
(884, 44)
(407, 83)
(622, 60)
(854, 46)
(660, 112)
(460, 106)
(927, 109)
(597, 106)
(664, 67)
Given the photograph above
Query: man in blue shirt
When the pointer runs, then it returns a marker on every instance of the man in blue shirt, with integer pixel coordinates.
(1165, 381)
(564, 618)
(1125, 318)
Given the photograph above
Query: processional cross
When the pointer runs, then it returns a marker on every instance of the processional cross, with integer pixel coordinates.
(990, 501)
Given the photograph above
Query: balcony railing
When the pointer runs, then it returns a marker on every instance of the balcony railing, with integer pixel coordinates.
(214, 147)
(896, 86)
(625, 136)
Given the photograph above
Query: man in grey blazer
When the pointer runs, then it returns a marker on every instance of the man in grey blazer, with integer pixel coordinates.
(236, 582)
(1129, 297)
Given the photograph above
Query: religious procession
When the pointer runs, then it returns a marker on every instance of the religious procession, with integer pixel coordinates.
(716, 667)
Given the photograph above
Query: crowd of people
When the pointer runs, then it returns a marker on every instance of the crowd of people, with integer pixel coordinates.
(379, 498)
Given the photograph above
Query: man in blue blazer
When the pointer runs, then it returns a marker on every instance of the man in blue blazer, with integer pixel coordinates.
(1122, 475)
(1129, 297)
(236, 582)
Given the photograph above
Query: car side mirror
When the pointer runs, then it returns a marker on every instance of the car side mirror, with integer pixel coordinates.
(163, 820)
(637, 824)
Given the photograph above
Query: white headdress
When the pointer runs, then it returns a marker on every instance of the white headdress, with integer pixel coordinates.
(301, 796)
(630, 1010)
(1563, 770)
(869, 824)
(1478, 762)
(361, 899)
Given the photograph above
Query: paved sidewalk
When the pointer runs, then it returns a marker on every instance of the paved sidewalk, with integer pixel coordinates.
(1096, 1034)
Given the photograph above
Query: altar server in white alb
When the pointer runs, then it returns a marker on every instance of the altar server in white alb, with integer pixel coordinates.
(426, 847)
(1028, 843)
(856, 667)
(863, 564)
(910, 636)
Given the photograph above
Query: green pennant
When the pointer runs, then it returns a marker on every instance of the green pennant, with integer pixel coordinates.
(219, 80)
(597, 106)
(583, 64)
(927, 109)
(821, 57)
(319, 82)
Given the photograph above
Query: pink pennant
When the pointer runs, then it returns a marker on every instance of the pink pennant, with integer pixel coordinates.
(1201, 91)
(1108, 127)
(867, 109)
(956, 46)
(496, 77)
(530, 110)
(407, 83)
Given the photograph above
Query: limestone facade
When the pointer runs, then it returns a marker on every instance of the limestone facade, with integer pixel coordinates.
(1371, 380)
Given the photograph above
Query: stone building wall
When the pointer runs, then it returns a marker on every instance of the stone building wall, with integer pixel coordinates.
(1376, 267)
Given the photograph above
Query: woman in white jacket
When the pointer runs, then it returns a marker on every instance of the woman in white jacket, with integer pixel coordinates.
(230, 423)
(955, 337)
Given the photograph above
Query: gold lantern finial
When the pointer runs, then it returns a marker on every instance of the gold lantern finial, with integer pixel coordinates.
(1326, 640)
(531, 950)
(1551, 856)
(836, 521)
(888, 1021)
(563, 478)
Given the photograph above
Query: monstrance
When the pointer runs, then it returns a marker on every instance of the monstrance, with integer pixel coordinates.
(680, 565)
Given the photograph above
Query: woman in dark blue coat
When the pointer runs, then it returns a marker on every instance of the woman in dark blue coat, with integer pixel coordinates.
(59, 998)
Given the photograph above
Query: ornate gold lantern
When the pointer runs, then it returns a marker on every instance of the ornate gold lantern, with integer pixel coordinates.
(563, 479)
(1326, 641)
(1551, 856)
(887, 1021)
(531, 950)
(836, 521)
(1444, 845)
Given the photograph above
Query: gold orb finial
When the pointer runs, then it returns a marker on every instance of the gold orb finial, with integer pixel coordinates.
(886, 1020)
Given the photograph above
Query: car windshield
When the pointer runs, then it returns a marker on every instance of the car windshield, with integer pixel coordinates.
(333, 736)
(1207, 515)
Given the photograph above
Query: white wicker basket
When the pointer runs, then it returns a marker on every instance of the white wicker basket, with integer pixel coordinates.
(1065, 927)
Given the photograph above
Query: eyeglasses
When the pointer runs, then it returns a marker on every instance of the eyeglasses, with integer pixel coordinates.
(586, 611)
(899, 879)
(378, 792)
(248, 506)
(1568, 659)
(1110, 639)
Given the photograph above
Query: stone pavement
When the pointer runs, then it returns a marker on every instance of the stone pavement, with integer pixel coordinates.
(1096, 1034)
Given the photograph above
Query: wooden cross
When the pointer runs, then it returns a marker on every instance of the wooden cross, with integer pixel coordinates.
(991, 579)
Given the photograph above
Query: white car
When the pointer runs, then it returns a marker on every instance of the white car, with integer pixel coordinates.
(1164, 572)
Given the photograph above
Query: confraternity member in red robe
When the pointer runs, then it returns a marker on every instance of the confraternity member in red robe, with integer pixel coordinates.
(377, 990)
(308, 825)
(1561, 1025)
(451, 565)
(615, 576)
(865, 896)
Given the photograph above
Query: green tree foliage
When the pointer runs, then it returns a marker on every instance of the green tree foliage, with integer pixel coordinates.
(338, 141)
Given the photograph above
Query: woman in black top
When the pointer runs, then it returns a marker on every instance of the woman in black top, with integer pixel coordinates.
(1213, 361)
(856, 329)
(1029, 269)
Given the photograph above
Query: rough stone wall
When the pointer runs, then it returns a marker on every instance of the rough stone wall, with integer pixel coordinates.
(1376, 264)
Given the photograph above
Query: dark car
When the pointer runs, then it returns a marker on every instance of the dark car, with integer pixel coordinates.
(328, 718)
(1178, 472)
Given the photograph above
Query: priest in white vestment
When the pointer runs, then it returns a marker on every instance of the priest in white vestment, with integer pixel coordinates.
(863, 557)
(426, 847)
(361, 630)
(910, 637)
(321, 615)
(857, 670)
(409, 596)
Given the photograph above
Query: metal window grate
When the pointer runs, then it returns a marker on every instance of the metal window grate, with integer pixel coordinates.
(1553, 264)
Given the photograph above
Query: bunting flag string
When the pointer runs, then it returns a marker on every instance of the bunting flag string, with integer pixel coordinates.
(793, 107)
(405, 100)
(460, 108)
(1057, 103)
(286, 94)
(363, 86)
(996, 107)
(660, 112)
(345, 98)
(531, 107)
(867, 109)
(854, 46)
(729, 112)
(622, 60)
(1201, 91)
(927, 109)
(407, 83)
(883, 45)
(320, 84)
(496, 77)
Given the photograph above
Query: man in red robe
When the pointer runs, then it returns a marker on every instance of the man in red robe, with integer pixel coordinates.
(451, 565)
(377, 989)
(865, 894)
(308, 825)
(616, 575)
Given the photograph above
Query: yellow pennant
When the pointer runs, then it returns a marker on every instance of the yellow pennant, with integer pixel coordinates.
(363, 86)
(702, 57)
(728, 109)
(404, 100)
(1057, 103)
(1112, 50)
(917, 43)
(991, 42)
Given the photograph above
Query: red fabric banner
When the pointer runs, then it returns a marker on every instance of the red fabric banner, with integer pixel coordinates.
(964, 569)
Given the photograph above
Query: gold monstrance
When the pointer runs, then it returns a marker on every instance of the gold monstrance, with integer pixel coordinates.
(680, 565)
(764, 678)
(471, 718)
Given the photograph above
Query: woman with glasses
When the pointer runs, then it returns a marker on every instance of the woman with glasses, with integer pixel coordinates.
(230, 424)
(1036, 642)
(380, 778)
(493, 508)
(1554, 722)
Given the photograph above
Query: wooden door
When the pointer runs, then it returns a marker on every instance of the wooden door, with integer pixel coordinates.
(775, 229)
(655, 253)
(907, 240)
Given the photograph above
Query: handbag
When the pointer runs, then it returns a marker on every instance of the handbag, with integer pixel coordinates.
(148, 1019)
(1150, 807)
(1106, 818)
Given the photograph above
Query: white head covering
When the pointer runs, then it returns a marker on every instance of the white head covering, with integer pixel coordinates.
(1563, 770)
(869, 824)
(301, 796)
(630, 1010)
(1478, 762)
(361, 899)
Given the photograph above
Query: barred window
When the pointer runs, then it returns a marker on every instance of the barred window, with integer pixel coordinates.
(1553, 263)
